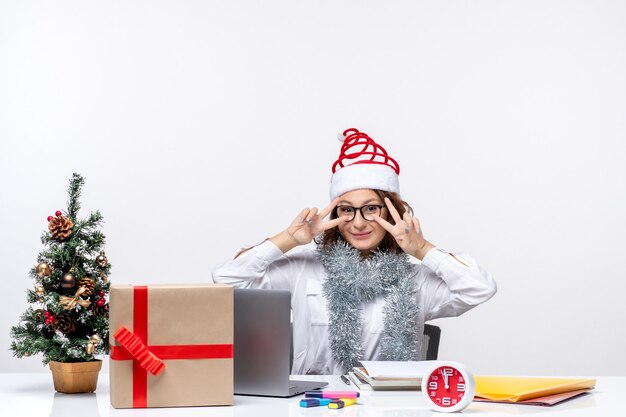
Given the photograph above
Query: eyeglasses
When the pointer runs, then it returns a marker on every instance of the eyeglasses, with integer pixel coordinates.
(368, 212)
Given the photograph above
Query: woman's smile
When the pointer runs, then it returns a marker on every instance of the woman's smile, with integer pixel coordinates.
(361, 235)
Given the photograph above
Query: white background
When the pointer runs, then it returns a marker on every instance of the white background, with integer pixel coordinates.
(201, 126)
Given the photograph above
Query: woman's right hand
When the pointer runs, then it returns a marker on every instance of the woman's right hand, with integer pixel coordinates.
(305, 227)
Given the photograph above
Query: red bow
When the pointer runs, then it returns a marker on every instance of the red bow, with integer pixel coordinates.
(140, 352)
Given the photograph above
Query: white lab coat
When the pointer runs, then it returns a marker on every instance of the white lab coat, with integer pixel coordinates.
(446, 287)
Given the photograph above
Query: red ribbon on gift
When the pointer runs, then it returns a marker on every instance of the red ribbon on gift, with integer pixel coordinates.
(147, 358)
(139, 351)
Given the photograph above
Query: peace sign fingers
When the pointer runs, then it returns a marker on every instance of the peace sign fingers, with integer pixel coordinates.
(325, 225)
(331, 223)
(385, 224)
(406, 230)
(329, 208)
(392, 210)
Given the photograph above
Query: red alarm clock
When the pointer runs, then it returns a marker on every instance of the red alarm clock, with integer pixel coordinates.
(448, 387)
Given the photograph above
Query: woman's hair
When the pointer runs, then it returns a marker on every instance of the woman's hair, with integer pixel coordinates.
(388, 244)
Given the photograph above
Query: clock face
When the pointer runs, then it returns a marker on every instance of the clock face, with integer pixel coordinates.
(448, 387)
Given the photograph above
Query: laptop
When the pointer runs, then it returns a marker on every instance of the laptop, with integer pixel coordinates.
(263, 345)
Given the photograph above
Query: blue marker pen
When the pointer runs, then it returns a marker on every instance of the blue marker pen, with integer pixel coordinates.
(314, 402)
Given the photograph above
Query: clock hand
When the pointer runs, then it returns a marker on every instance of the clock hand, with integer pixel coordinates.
(445, 379)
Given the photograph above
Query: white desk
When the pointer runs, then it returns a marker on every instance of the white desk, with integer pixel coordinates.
(34, 395)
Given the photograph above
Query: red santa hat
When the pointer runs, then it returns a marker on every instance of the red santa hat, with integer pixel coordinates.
(363, 163)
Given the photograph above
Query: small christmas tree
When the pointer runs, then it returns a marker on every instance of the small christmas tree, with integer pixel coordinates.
(70, 286)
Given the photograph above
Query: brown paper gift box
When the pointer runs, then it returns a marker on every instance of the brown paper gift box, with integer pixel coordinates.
(179, 317)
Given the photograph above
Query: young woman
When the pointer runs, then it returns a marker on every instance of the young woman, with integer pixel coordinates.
(356, 295)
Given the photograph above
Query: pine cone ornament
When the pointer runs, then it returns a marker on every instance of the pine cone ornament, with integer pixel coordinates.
(60, 227)
(100, 310)
(65, 323)
(89, 284)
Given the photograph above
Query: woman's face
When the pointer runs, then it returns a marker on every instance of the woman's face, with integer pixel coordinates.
(364, 235)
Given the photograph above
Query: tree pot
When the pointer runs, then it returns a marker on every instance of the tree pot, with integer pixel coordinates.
(75, 377)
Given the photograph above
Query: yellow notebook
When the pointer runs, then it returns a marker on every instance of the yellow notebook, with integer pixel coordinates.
(514, 389)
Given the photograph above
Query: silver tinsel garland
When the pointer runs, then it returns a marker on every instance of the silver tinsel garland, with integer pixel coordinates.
(352, 281)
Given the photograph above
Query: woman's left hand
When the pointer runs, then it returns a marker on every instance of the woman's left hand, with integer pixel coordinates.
(406, 231)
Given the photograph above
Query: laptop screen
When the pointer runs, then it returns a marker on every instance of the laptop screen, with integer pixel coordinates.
(262, 341)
